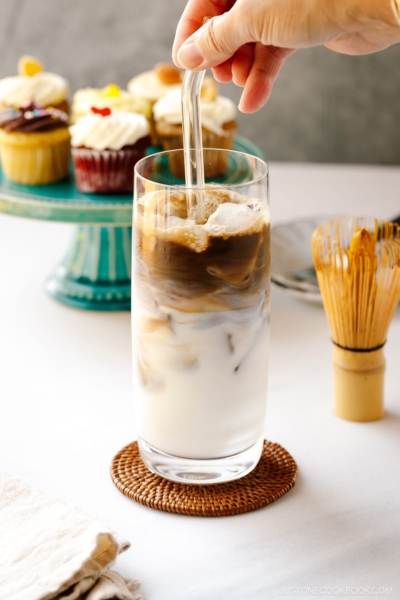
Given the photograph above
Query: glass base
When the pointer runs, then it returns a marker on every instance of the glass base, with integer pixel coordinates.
(197, 471)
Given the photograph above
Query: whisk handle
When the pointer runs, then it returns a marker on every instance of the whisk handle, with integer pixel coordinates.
(358, 384)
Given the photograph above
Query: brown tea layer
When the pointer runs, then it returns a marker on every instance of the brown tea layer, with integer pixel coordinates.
(215, 258)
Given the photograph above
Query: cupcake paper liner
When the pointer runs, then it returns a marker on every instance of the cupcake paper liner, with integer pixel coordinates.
(214, 164)
(107, 171)
(43, 159)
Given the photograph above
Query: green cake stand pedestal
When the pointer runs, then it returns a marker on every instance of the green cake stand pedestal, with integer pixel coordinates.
(96, 270)
(95, 273)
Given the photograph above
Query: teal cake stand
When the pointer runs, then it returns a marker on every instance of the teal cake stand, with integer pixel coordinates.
(96, 271)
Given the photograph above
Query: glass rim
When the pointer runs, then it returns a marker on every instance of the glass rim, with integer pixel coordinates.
(215, 185)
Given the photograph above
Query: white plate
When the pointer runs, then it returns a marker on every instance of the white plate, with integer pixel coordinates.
(292, 264)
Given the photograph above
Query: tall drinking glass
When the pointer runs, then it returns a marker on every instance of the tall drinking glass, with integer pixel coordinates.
(200, 313)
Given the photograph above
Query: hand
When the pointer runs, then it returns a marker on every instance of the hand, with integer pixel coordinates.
(247, 41)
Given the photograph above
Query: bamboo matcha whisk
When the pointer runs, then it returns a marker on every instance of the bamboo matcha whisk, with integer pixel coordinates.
(357, 261)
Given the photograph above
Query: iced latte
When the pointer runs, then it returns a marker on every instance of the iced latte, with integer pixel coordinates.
(200, 310)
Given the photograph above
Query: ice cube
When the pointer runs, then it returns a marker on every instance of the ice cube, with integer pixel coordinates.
(175, 205)
(148, 378)
(231, 218)
(173, 222)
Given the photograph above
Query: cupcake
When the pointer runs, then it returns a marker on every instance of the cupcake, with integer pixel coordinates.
(218, 128)
(34, 144)
(153, 85)
(106, 144)
(110, 96)
(32, 84)
(163, 79)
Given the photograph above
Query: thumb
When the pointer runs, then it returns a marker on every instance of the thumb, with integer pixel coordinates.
(214, 43)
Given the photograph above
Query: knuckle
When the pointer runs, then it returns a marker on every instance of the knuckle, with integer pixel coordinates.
(248, 19)
(275, 53)
(212, 39)
(215, 40)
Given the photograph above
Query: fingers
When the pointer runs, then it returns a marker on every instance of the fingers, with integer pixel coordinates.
(237, 68)
(215, 42)
(223, 72)
(192, 20)
(268, 61)
(242, 63)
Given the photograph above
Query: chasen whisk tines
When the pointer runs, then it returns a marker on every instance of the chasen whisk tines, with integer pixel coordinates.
(357, 261)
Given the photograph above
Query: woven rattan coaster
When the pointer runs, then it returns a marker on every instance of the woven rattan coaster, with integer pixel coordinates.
(274, 475)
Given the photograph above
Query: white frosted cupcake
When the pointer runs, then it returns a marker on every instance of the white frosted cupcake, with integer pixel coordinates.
(33, 84)
(110, 96)
(162, 80)
(153, 85)
(106, 144)
(218, 127)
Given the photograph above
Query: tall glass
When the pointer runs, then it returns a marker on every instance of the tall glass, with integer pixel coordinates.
(200, 313)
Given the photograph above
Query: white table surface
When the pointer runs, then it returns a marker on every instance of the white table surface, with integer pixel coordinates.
(66, 409)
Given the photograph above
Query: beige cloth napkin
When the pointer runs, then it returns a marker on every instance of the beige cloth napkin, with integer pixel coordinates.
(51, 550)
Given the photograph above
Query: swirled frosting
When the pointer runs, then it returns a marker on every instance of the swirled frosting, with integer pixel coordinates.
(84, 99)
(213, 113)
(148, 85)
(42, 88)
(32, 118)
(111, 132)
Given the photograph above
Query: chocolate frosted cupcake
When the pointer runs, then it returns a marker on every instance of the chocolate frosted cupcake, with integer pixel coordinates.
(218, 127)
(34, 144)
(33, 84)
(106, 145)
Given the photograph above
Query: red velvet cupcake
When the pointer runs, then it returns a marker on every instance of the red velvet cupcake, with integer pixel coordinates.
(106, 145)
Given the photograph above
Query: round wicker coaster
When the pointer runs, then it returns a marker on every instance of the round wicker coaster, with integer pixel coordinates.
(274, 475)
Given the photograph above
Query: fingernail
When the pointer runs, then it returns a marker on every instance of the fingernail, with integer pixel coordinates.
(189, 56)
